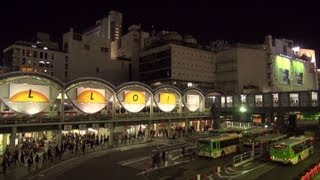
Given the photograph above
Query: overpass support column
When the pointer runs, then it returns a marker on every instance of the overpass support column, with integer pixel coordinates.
(111, 131)
(4, 142)
(13, 138)
(147, 132)
(59, 136)
(187, 125)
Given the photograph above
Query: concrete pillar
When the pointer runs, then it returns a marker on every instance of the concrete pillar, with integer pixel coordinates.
(111, 131)
(13, 138)
(168, 127)
(147, 131)
(187, 123)
(4, 142)
(59, 136)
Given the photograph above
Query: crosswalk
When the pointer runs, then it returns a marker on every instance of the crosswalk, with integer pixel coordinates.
(242, 171)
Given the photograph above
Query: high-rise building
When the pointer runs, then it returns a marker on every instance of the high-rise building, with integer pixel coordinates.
(39, 55)
(109, 27)
(132, 44)
(90, 56)
(275, 66)
(170, 59)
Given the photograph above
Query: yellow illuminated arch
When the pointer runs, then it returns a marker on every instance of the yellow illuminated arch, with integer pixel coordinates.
(90, 96)
(134, 97)
(29, 96)
(167, 98)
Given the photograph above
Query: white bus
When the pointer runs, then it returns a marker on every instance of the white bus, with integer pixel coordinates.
(219, 145)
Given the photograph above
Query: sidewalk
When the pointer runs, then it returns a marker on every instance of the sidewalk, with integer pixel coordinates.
(21, 171)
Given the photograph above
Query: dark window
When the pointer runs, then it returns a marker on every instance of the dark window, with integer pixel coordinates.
(29, 54)
(35, 54)
(66, 46)
(66, 66)
(45, 55)
(23, 52)
(285, 50)
(97, 69)
(103, 49)
(23, 61)
(51, 73)
(41, 55)
(66, 59)
(66, 74)
(52, 56)
(77, 37)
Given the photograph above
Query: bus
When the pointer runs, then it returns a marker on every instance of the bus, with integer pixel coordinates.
(217, 146)
(292, 150)
(249, 136)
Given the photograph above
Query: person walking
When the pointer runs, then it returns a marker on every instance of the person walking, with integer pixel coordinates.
(44, 159)
(29, 164)
(4, 165)
(37, 159)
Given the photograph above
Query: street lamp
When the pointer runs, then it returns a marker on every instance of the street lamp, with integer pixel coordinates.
(243, 109)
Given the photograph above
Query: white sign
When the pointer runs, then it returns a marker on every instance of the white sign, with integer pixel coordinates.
(193, 102)
(95, 126)
(82, 126)
(67, 127)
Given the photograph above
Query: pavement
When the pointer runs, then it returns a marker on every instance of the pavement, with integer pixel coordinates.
(20, 171)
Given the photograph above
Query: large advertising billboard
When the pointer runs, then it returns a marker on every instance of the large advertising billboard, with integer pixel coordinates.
(167, 101)
(28, 98)
(193, 102)
(134, 101)
(90, 100)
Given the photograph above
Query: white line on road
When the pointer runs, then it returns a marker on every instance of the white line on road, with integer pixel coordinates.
(131, 161)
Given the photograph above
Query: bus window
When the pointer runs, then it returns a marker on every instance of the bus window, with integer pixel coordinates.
(214, 145)
(279, 147)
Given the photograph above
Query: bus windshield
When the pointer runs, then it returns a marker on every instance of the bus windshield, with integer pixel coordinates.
(203, 143)
(279, 147)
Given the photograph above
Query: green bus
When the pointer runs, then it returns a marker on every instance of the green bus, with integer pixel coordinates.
(292, 150)
(219, 145)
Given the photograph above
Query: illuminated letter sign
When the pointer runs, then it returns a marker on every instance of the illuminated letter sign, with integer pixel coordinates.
(88, 95)
(90, 100)
(167, 102)
(134, 101)
(21, 95)
(29, 93)
(193, 102)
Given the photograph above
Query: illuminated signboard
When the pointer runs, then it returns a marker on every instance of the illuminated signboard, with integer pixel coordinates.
(29, 93)
(134, 101)
(28, 98)
(167, 101)
(193, 102)
(90, 100)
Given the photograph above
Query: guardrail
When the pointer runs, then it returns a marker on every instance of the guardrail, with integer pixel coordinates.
(102, 118)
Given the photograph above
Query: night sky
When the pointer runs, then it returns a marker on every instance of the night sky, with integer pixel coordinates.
(234, 21)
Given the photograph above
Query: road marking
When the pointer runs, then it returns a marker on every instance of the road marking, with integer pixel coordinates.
(162, 167)
(131, 161)
(244, 172)
(247, 164)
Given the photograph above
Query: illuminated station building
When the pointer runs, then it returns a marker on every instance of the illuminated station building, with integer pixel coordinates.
(38, 105)
(87, 87)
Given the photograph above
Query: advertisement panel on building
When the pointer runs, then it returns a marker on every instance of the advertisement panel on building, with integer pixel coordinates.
(134, 101)
(28, 98)
(167, 101)
(193, 102)
(90, 100)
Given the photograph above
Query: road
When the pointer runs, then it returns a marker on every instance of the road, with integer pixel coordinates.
(100, 165)
(263, 169)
